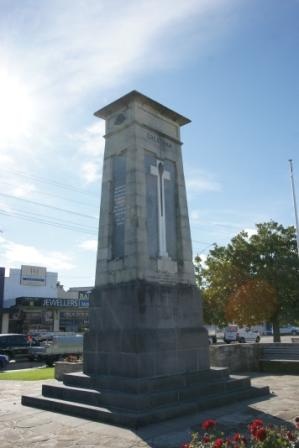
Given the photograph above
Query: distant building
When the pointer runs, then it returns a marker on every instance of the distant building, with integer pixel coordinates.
(32, 299)
(29, 281)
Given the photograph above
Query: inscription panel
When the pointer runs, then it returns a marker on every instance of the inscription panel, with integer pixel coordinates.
(158, 140)
(118, 205)
(119, 208)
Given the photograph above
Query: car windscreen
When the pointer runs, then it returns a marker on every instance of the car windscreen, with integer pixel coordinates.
(15, 341)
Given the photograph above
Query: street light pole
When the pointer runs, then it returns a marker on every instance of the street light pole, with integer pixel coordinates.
(295, 203)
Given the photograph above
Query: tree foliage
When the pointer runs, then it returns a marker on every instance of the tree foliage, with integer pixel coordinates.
(245, 303)
(253, 279)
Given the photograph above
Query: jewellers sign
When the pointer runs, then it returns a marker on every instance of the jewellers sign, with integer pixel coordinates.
(64, 303)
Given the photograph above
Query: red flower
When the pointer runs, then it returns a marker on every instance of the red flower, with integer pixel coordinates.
(207, 424)
(291, 436)
(261, 434)
(237, 437)
(255, 425)
(219, 443)
(206, 438)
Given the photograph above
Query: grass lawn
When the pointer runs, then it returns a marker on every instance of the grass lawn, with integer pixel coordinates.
(43, 373)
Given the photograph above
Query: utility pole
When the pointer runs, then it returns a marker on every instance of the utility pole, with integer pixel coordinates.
(295, 203)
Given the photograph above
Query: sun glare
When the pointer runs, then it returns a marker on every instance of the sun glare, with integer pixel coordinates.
(16, 108)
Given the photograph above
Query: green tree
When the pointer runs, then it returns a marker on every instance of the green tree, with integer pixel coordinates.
(253, 279)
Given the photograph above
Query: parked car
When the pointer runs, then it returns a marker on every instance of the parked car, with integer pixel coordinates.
(212, 339)
(230, 334)
(289, 329)
(58, 347)
(43, 335)
(4, 361)
(233, 333)
(15, 346)
(211, 334)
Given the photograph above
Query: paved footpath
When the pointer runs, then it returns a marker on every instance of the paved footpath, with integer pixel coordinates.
(26, 427)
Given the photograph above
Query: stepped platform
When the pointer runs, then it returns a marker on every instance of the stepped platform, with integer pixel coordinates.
(280, 358)
(131, 402)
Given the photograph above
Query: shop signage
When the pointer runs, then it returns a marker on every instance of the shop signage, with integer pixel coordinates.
(81, 302)
(33, 275)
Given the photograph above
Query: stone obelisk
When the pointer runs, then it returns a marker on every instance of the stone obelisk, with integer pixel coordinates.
(146, 354)
(145, 313)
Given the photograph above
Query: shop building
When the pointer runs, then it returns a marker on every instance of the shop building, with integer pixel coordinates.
(34, 300)
(30, 281)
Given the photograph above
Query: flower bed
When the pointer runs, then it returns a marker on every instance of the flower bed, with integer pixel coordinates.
(62, 367)
(259, 436)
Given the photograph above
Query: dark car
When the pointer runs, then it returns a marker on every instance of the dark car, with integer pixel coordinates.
(15, 346)
(3, 361)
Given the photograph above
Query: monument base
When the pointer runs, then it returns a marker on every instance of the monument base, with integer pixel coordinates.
(145, 329)
(146, 359)
(136, 402)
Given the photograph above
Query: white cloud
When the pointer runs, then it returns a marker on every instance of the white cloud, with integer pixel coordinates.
(90, 245)
(17, 109)
(97, 43)
(196, 216)
(23, 190)
(4, 207)
(14, 254)
(250, 232)
(90, 150)
(91, 141)
(203, 258)
(6, 162)
(199, 182)
(90, 172)
(75, 48)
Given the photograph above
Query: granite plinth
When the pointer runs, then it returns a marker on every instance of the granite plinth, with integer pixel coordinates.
(144, 329)
(138, 402)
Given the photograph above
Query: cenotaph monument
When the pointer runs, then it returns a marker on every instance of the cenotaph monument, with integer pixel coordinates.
(146, 354)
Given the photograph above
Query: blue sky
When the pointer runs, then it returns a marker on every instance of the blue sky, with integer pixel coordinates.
(231, 66)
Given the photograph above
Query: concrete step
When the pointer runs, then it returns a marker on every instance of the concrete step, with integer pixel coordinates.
(137, 419)
(280, 356)
(145, 385)
(144, 401)
(290, 366)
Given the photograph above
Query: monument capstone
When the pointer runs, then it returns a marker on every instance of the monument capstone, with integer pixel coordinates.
(146, 354)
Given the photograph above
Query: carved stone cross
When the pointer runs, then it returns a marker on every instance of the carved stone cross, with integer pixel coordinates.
(162, 175)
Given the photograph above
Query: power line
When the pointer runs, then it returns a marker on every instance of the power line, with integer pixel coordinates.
(48, 206)
(86, 204)
(68, 225)
(61, 224)
(43, 218)
(51, 182)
